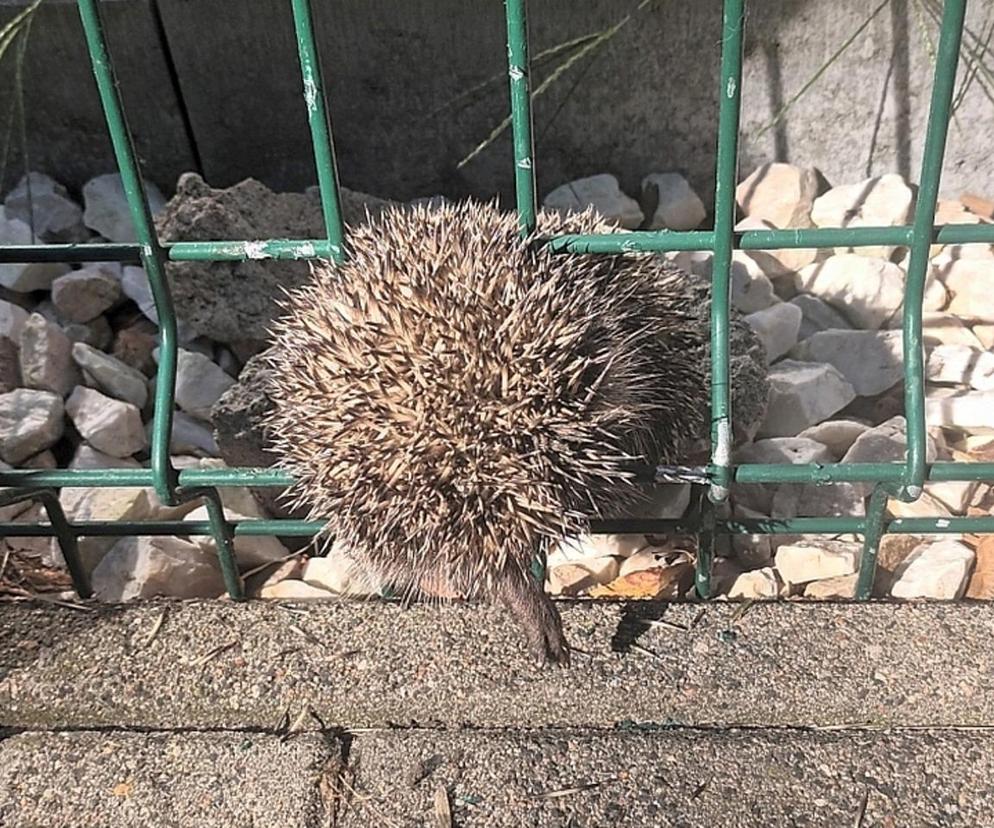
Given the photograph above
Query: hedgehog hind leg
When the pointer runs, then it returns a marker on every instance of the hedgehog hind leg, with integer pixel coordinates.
(528, 604)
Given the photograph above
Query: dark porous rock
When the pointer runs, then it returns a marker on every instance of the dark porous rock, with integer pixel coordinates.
(10, 370)
(237, 419)
(230, 301)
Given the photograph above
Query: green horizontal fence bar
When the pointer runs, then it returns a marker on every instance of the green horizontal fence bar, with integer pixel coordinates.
(650, 241)
(306, 528)
(270, 478)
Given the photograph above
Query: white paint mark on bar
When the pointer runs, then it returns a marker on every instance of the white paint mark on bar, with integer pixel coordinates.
(256, 250)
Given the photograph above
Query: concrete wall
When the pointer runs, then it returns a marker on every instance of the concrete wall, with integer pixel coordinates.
(213, 85)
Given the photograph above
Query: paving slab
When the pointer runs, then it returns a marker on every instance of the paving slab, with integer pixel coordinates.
(148, 780)
(904, 779)
(217, 664)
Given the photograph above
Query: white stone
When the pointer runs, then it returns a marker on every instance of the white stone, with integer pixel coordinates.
(969, 409)
(129, 503)
(779, 193)
(801, 563)
(199, 383)
(12, 319)
(951, 212)
(236, 499)
(30, 422)
(969, 281)
(150, 566)
(868, 292)
(985, 335)
(943, 328)
(959, 365)
(817, 315)
(885, 443)
(752, 551)
(250, 550)
(837, 435)
(339, 573)
(939, 570)
(875, 202)
(603, 193)
(647, 558)
(46, 357)
(777, 264)
(784, 450)
(109, 425)
(757, 584)
(47, 208)
(107, 208)
(751, 288)
(954, 495)
(871, 361)
(87, 457)
(25, 277)
(777, 328)
(840, 587)
(573, 550)
(294, 590)
(82, 295)
(923, 507)
(802, 394)
(574, 578)
(11, 510)
(112, 376)
(677, 206)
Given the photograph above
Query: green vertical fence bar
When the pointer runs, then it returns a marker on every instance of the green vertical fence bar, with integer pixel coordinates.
(947, 56)
(521, 113)
(151, 253)
(729, 105)
(320, 124)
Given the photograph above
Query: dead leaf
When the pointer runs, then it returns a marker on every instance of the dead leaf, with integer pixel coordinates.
(657, 582)
(981, 585)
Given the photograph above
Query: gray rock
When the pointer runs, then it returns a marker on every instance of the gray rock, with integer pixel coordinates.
(199, 383)
(10, 369)
(871, 361)
(817, 316)
(12, 319)
(150, 566)
(30, 422)
(810, 500)
(233, 301)
(46, 207)
(25, 277)
(190, 436)
(46, 357)
(777, 327)
(111, 376)
(801, 395)
(603, 193)
(87, 457)
(751, 289)
(107, 208)
(250, 550)
(135, 285)
(671, 202)
(82, 295)
(109, 425)
(885, 443)
(97, 333)
(784, 450)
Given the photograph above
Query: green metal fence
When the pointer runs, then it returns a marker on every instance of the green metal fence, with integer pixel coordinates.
(901, 480)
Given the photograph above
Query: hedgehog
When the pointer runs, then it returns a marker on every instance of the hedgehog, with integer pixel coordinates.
(455, 399)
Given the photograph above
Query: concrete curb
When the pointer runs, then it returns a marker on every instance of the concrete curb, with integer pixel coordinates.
(249, 780)
(206, 665)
